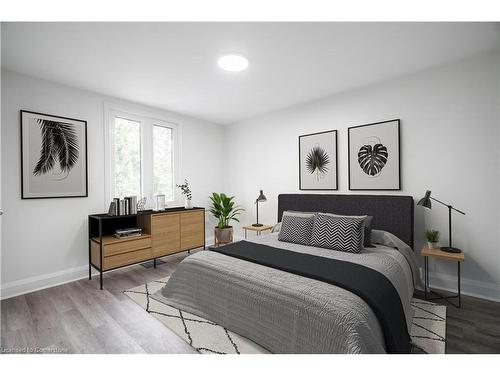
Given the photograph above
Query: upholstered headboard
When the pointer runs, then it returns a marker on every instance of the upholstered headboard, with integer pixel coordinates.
(393, 213)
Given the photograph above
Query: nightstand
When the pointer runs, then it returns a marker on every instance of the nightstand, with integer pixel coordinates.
(259, 230)
(439, 254)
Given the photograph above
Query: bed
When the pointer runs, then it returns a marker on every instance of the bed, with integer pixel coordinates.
(286, 312)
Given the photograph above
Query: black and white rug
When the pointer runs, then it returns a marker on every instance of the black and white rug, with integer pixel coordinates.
(428, 330)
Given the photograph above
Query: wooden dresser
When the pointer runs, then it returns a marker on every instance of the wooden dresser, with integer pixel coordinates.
(163, 233)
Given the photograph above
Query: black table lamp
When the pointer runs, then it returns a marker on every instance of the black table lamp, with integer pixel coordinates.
(426, 202)
(260, 198)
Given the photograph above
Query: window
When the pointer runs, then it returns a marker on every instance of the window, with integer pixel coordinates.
(141, 156)
(127, 149)
(163, 182)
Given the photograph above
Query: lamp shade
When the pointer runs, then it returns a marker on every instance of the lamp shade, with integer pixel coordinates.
(426, 201)
(262, 197)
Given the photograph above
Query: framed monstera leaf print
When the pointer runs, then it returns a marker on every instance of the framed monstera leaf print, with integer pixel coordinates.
(374, 156)
(318, 161)
(53, 156)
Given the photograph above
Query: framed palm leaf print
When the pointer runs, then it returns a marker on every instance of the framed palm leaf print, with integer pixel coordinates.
(53, 156)
(374, 156)
(318, 161)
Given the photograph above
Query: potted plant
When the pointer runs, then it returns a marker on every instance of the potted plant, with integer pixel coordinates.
(432, 237)
(224, 210)
(185, 190)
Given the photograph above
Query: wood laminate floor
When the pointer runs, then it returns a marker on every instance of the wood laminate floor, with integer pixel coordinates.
(79, 318)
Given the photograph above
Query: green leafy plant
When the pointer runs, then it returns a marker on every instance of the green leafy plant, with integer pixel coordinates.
(432, 235)
(185, 190)
(224, 209)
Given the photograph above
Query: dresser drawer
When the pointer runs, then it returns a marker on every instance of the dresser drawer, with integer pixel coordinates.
(126, 246)
(192, 229)
(166, 234)
(127, 258)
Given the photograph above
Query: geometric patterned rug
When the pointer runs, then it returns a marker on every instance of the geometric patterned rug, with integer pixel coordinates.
(428, 332)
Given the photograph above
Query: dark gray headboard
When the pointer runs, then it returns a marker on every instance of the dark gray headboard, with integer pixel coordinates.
(393, 213)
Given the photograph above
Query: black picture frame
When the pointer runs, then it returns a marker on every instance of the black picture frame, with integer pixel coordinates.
(84, 122)
(336, 187)
(349, 144)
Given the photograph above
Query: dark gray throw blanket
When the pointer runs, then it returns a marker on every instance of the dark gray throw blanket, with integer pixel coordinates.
(370, 285)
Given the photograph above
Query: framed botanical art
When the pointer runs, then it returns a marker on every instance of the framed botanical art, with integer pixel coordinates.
(374, 156)
(318, 161)
(53, 156)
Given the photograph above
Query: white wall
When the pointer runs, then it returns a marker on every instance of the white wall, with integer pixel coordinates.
(44, 241)
(449, 142)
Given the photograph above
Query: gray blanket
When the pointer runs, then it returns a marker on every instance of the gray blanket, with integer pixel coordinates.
(287, 313)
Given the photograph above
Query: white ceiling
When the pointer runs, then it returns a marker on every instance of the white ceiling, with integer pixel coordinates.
(174, 65)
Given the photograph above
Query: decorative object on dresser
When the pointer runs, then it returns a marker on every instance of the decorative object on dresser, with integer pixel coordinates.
(426, 202)
(126, 206)
(141, 205)
(224, 210)
(128, 232)
(258, 230)
(162, 233)
(260, 198)
(159, 203)
(186, 191)
(374, 156)
(53, 156)
(318, 161)
(432, 237)
(443, 255)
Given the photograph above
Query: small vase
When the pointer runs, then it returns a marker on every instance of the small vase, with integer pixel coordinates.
(433, 245)
(188, 203)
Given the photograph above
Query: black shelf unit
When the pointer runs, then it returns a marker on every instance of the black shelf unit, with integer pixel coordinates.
(101, 225)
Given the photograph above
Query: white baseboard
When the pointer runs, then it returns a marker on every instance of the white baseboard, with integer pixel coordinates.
(32, 284)
(469, 287)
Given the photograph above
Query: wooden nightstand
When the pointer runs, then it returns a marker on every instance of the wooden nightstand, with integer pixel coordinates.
(439, 254)
(259, 230)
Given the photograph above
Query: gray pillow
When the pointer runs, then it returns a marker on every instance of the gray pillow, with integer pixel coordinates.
(296, 227)
(341, 233)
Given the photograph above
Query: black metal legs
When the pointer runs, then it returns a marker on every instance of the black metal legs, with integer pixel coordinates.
(426, 273)
(90, 272)
(154, 263)
(101, 264)
(428, 291)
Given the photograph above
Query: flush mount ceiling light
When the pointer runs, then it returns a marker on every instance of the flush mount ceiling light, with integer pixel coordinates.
(233, 63)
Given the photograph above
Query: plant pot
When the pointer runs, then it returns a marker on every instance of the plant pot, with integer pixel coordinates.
(224, 235)
(433, 245)
(188, 203)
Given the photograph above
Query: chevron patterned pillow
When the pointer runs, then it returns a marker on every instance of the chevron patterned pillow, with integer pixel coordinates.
(341, 233)
(296, 228)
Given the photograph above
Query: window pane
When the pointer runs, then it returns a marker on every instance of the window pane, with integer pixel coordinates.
(163, 177)
(127, 158)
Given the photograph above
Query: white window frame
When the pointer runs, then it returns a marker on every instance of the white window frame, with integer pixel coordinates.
(147, 120)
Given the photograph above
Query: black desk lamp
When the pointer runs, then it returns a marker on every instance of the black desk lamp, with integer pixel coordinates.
(260, 198)
(426, 202)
